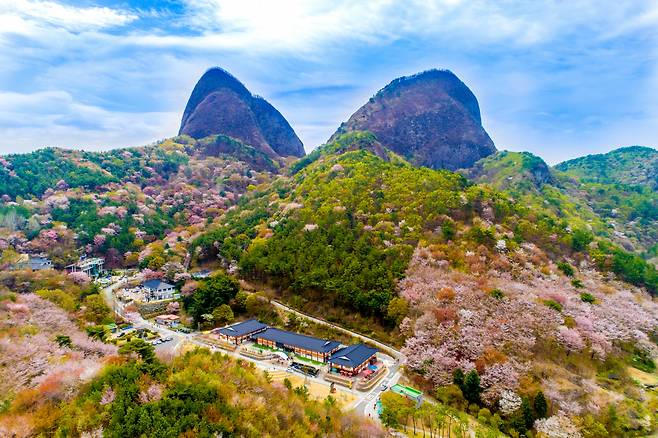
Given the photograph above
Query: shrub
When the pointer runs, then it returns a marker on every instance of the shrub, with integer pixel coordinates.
(566, 268)
(497, 294)
(587, 297)
(59, 298)
(643, 361)
(553, 305)
(540, 405)
(580, 239)
(451, 395)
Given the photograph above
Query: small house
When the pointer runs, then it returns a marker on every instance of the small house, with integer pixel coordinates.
(168, 320)
(155, 290)
(204, 273)
(39, 263)
(92, 266)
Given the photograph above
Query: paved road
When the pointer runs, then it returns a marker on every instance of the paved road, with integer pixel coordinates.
(363, 405)
(384, 347)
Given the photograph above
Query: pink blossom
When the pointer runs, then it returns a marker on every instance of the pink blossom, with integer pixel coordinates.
(108, 396)
(570, 338)
(79, 277)
(99, 240)
(152, 393)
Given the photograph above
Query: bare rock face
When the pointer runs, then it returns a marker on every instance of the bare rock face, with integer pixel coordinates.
(220, 104)
(431, 118)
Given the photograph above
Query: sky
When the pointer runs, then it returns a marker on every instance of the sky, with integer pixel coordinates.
(557, 78)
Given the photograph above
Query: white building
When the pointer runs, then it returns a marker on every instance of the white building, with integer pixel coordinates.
(158, 290)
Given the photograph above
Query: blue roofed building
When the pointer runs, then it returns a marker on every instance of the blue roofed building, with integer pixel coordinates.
(158, 290)
(353, 359)
(39, 263)
(306, 346)
(240, 332)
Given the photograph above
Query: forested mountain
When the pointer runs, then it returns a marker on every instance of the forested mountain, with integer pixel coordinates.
(612, 195)
(117, 203)
(633, 165)
(529, 279)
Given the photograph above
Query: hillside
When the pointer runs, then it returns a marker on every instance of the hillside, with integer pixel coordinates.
(221, 104)
(633, 165)
(620, 186)
(126, 199)
(606, 206)
(425, 257)
(431, 118)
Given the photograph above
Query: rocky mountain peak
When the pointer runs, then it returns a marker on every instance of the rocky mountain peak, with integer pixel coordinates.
(431, 118)
(221, 105)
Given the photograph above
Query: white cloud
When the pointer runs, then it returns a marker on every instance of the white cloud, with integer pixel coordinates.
(25, 16)
(54, 118)
(79, 78)
(303, 26)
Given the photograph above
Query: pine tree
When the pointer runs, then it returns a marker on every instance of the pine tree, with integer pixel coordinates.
(472, 388)
(540, 405)
(458, 378)
(527, 414)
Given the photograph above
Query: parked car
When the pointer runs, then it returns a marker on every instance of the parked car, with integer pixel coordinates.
(156, 342)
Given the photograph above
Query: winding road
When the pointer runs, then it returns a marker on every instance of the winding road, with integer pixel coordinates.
(365, 403)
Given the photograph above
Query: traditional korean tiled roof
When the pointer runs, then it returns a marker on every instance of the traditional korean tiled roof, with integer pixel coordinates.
(296, 340)
(242, 328)
(352, 356)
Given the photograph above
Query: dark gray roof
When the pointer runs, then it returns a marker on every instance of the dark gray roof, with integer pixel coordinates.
(37, 262)
(352, 356)
(243, 328)
(156, 284)
(296, 340)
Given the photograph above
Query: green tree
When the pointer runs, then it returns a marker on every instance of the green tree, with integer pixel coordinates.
(63, 341)
(526, 413)
(397, 309)
(142, 348)
(587, 297)
(458, 378)
(156, 263)
(241, 301)
(580, 239)
(395, 408)
(252, 304)
(566, 268)
(210, 294)
(472, 388)
(540, 405)
(302, 392)
(97, 332)
(222, 315)
(95, 309)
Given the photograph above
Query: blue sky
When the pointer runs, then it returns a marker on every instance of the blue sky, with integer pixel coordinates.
(558, 78)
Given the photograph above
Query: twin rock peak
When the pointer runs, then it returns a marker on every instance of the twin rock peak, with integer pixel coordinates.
(430, 118)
